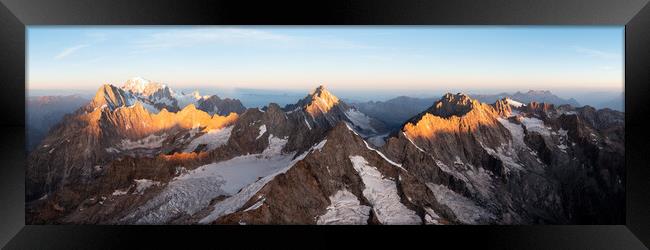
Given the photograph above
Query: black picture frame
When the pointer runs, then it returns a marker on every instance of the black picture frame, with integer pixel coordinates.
(15, 15)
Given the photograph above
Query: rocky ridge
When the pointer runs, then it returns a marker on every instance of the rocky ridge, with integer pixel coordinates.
(458, 162)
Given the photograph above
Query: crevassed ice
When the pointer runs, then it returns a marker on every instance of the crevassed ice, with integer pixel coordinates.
(465, 210)
(193, 191)
(235, 202)
(516, 131)
(535, 125)
(344, 209)
(382, 195)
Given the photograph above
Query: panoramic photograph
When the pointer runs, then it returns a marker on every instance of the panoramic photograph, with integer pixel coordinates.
(323, 125)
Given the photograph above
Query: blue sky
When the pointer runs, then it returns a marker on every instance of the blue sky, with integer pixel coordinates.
(345, 58)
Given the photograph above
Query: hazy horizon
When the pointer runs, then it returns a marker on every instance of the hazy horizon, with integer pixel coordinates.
(252, 97)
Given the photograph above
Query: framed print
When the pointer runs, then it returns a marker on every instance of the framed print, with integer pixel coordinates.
(519, 126)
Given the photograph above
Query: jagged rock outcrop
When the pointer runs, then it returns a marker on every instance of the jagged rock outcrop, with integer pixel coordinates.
(339, 181)
(111, 124)
(322, 109)
(516, 161)
(111, 97)
(458, 128)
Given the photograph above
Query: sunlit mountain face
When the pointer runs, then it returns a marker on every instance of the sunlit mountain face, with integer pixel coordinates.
(142, 153)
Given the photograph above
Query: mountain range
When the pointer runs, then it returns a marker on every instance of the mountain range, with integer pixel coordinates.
(394, 112)
(142, 154)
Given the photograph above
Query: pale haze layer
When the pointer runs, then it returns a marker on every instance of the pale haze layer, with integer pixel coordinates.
(392, 59)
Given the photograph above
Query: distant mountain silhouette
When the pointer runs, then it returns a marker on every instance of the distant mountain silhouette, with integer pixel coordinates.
(43, 112)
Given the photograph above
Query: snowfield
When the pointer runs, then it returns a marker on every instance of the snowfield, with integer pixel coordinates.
(514, 103)
(478, 180)
(213, 139)
(193, 191)
(359, 119)
(466, 210)
(344, 209)
(516, 131)
(235, 202)
(535, 125)
(382, 195)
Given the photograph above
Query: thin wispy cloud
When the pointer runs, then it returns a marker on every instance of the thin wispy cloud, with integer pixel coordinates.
(97, 36)
(331, 43)
(69, 51)
(597, 53)
(194, 37)
(200, 37)
(91, 38)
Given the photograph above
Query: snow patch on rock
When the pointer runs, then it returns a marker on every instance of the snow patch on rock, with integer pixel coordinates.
(262, 131)
(142, 185)
(514, 103)
(213, 139)
(150, 142)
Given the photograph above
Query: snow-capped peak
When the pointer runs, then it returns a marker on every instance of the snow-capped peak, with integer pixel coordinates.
(139, 85)
(190, 98)
(514, 103)
(196, 94)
